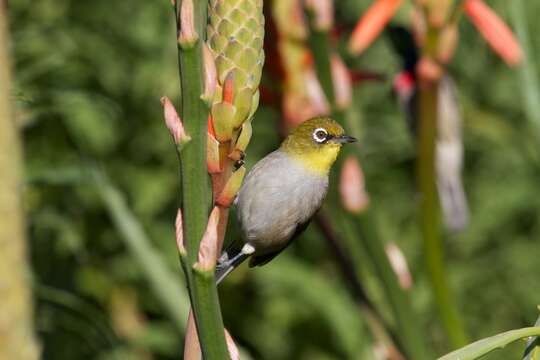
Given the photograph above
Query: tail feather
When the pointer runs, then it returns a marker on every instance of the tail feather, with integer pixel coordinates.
(453, 203)
(231, 258)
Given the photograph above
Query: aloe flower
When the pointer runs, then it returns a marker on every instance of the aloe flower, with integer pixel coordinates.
(492, 28)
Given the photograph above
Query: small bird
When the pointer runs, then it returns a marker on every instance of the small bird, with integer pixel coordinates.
(449, 144)
(282, 192)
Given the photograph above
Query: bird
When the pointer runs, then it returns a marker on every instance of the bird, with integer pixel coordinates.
(282, 192)
(448, 145)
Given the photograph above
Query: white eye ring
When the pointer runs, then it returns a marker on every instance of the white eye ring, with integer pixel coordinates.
(320, 135)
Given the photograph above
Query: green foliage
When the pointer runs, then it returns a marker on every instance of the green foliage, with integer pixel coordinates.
(482, 347)
(89, 75)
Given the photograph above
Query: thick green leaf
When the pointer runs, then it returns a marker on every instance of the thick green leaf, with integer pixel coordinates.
(532, 351)
(482, 347)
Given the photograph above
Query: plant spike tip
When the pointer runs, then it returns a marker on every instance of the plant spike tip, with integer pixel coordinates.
(210, 75)
(226, 197)
(174, 123)
(209, 243)
(188, 35)
(212, 155)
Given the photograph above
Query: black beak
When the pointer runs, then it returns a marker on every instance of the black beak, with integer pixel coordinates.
(343, 139)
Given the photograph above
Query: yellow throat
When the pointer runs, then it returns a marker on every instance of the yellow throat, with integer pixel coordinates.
(317, 161)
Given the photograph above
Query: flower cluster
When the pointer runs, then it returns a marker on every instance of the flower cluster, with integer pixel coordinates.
(442, 15)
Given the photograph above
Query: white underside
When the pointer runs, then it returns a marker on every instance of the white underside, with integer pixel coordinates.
(276, 196)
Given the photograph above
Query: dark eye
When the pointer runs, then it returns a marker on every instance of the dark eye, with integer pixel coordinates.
(320, 135)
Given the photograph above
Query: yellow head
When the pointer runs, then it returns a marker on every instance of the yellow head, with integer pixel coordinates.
(316, 144)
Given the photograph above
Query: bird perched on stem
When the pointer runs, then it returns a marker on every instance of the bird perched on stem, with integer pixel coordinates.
(449, 144)
(282, 192)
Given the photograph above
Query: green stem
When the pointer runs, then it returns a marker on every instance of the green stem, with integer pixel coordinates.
(195, 189)
(429, 205)
(409, 330)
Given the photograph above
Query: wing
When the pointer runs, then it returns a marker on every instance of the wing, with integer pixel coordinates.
(265, 258)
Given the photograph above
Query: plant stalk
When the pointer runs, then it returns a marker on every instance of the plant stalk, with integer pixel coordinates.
(195, 187)
(429, 203)
(409, 332)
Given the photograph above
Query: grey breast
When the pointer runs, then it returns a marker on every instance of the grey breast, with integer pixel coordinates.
(277, 195)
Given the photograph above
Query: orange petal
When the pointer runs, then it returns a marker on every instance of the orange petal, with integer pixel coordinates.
(351, 186)
(228, 88)
(494, 30)
(372, 23)
(226, 197)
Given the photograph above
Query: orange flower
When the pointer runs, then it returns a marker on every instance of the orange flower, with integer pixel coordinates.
(494, 30)
(372, 23)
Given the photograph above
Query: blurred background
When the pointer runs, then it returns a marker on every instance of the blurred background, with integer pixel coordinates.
(102, 188)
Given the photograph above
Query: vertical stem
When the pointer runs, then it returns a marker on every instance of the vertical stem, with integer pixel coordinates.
(195, 187)
(195, 183)
(17, 339)
(409, 330)
(408, 327)
(429, 203)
